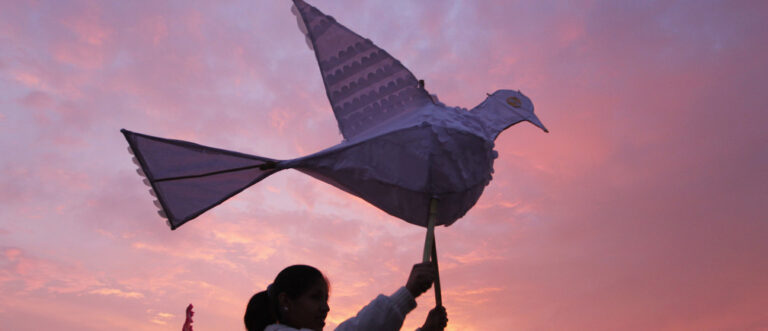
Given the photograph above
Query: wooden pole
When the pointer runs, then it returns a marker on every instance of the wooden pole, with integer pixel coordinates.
(430, 249)
(430, 230)
(438, 293)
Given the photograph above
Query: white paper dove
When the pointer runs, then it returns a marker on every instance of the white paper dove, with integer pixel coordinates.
(401, 147)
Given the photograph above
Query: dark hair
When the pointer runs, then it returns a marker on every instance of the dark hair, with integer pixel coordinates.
(293, 281)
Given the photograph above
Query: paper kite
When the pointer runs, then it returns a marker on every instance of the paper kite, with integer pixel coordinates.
(402, 148)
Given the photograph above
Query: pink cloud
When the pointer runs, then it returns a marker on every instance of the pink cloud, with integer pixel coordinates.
(117, 292)
(22, 274)
(37, 100)
(85, 56)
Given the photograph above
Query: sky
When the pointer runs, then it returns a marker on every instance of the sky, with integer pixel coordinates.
(642, 209)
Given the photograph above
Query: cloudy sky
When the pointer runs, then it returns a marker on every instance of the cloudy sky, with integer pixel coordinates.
(643, 209)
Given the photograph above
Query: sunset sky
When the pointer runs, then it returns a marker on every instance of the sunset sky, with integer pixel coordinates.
(644, 208)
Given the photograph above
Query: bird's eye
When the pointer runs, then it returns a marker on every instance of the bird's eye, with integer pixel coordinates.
(514, 102)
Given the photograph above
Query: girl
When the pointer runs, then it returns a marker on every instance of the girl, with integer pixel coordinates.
(298, 300)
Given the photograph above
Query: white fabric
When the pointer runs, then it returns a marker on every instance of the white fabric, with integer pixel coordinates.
(280, 327)
(402, 147)
(385, 313)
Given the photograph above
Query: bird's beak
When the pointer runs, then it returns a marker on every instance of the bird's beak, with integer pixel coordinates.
(535, 121)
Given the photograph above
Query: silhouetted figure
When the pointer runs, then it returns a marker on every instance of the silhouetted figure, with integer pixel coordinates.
(298, 300)
(188, 321)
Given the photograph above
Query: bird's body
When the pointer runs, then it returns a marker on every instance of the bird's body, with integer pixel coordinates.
(435, 151)
(402, 148)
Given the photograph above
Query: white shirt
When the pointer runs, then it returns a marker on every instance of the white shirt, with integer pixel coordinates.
(385, 313)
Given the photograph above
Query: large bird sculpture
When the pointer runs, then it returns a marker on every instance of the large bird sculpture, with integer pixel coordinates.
(402, 148)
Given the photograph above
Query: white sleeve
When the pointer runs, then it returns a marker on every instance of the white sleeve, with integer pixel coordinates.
(383, 313)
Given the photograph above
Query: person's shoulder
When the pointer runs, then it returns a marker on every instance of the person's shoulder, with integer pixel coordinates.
(273, 327)
(280, 327)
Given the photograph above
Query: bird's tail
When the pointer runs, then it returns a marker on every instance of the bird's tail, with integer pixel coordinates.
(188, 179)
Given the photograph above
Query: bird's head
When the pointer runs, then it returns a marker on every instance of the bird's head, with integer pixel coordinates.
(505, 108)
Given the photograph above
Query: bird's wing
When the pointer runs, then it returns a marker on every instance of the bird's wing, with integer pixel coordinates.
(365, 85)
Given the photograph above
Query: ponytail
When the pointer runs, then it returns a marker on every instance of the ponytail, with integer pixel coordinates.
(259, 312)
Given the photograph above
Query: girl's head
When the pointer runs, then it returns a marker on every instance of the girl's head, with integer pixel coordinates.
(297, 298)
